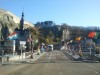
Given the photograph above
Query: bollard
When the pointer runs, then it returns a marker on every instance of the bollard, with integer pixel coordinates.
(7, 58)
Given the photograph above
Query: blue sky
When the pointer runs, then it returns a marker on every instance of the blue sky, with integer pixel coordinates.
(72, 12)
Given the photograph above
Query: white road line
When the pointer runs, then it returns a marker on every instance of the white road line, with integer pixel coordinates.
(50, 56)
(92, 68)
(46, 53)
(39, 56)
(96, 72)
(59, 52)
(61, 73)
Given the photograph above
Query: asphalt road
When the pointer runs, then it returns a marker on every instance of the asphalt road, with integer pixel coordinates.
(57, 63)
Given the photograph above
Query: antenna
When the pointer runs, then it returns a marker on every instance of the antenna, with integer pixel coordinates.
(23, 9)
(23, 12)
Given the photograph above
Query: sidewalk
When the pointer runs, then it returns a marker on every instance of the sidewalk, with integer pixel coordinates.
(30, 60)
(24, 60)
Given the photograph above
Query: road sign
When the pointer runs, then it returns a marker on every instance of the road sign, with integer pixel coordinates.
(22, 42)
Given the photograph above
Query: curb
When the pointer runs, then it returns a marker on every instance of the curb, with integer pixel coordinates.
(24, 60)
(32, 60)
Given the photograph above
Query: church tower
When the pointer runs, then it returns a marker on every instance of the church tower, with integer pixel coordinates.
(22, 24)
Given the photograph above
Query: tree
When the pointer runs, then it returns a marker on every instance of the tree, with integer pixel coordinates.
(5, 32)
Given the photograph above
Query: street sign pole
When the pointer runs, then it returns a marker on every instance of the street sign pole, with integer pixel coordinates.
(90, 54)
(22, 46)
(2, 55)
(21, 52)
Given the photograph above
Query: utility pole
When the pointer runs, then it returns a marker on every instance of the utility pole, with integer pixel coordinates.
(31, 48)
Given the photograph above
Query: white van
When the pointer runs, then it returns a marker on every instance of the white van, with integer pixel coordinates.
(50, 47)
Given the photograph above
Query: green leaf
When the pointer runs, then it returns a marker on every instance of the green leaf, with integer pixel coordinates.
(96, 36)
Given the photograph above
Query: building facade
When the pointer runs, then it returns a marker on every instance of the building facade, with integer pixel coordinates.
(45, 23)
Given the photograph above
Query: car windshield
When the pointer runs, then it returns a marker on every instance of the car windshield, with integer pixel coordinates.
(49, 37)
(49, 46)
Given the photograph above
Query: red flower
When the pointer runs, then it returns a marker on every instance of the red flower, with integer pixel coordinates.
(91, 34)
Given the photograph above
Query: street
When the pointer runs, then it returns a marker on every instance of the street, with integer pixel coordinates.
(52, 63)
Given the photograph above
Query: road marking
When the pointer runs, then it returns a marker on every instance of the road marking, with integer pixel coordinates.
(50, 56)
(46, 53)
(58, 52)
(61, 73)
(39, 57)
(96, 72)
(93, 68)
